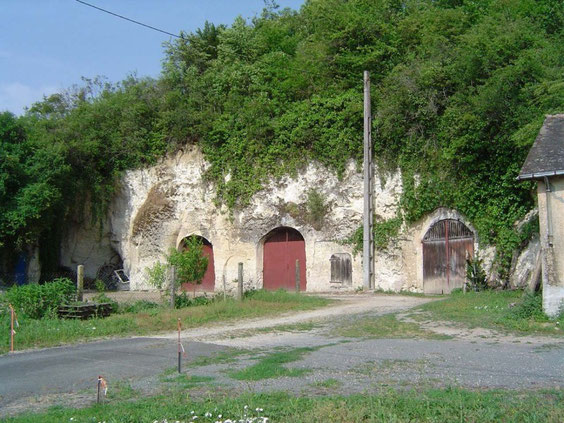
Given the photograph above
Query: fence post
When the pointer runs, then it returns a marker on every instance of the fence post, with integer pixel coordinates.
(240, 283)
(79, 282)
(172, 285)
(297, 276)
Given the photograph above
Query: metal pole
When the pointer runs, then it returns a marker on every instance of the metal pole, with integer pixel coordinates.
(297, 276)
(367, 224)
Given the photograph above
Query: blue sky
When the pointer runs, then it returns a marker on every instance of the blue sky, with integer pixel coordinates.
(48, 45)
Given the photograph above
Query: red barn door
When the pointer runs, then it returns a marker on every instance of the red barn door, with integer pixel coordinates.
(208, 283)
(282, 247)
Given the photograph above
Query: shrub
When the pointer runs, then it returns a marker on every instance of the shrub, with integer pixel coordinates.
(182, 300)
(103, 298)
(37, 301)
(530, 307)
(139, 306)
(476, 279)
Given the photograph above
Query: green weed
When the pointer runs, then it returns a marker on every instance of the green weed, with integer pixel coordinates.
(271, 366)
(418, 405)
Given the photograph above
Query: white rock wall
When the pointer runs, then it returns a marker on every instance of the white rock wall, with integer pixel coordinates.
(159, 206)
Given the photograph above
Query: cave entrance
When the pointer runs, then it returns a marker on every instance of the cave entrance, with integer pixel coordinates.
(208, 283)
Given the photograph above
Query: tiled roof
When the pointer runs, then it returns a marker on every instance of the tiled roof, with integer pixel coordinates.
(546, 157)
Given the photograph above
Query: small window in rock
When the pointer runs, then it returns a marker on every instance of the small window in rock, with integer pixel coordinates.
(341, 268)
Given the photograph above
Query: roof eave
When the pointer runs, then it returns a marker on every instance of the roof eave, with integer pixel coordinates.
(539, 175)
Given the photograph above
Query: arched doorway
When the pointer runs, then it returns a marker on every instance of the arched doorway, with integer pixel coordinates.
(208, 283)
(282, 247)
(445, 247)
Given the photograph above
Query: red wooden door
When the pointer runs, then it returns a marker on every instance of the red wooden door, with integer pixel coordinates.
(445, 247)
(208, 283)
(282, 247)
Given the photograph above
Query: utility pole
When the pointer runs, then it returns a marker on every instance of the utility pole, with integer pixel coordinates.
(368, 240)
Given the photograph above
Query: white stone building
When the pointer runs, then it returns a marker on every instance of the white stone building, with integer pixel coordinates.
(545, 164)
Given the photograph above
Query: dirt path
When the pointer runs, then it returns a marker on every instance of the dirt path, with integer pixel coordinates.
(345, 305)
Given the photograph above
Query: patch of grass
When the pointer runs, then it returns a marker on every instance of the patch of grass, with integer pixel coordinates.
(295, 327)
(386, 366)
(422, 405)
(271, 366)
(386, 326)
(330, 383)
(221, 357)
(186, 381)
(122, 390)
(491, 310)
(381, 291)
(50, 332)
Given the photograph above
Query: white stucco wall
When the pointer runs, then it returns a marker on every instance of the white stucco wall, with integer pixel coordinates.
(551, 222)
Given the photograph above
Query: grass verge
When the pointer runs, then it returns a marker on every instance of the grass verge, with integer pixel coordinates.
(505, 311)
(386, 326)
(50, 332)
(429, 405)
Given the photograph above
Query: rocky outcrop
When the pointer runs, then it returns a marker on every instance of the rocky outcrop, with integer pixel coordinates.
(157, 207)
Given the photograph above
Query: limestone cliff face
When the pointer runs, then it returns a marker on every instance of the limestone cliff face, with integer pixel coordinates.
(157, 207)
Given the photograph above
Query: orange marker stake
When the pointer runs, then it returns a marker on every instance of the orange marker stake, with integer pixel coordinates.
(12, 331)
(102, 388)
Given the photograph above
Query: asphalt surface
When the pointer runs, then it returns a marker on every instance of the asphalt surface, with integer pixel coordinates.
(76, 368)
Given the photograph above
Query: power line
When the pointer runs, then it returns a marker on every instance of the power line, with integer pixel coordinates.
(127, 19)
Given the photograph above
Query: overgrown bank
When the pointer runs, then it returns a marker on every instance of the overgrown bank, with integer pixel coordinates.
(460, 90)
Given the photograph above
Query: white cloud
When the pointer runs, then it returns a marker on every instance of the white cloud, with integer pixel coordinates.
(15, 96)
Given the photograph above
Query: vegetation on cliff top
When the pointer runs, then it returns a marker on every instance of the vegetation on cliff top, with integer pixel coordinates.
(460, 89)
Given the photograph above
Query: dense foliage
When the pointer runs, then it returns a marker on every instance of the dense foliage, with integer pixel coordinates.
(38, 301)
(460, 89)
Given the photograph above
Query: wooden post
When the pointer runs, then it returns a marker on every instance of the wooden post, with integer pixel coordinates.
(79, 282)
(240, 283)
(172, 285)
(297, 276)
(11, 327)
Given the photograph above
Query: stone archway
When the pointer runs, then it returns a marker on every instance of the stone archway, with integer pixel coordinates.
(208, 283)
(281, 248)
(446, 245)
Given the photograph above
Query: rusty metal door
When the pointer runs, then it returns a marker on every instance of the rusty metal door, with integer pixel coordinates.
(445, 247)
(282, 247)
(208, 283)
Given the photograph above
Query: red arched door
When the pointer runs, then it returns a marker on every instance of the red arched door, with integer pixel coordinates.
(282, 247)
(208, 283)
(445, 247)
